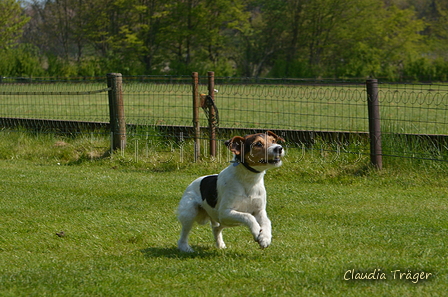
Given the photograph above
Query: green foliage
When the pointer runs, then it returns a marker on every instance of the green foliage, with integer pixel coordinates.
(275, 38)
(12, 21)
(425, 69)
(90, 67)
(58, 67)
(283, 68)
(23, 60)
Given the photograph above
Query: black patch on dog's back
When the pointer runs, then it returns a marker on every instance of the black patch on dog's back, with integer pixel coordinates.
(208, 189)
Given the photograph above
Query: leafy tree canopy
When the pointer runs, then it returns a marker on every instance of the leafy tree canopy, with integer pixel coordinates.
(12, 21)
(396, 39)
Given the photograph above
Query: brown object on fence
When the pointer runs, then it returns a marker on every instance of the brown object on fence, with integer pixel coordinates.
(212, 113)
(116, 109)
(196, 124)
(373, 105)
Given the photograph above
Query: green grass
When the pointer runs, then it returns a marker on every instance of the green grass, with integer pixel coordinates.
(118, 215)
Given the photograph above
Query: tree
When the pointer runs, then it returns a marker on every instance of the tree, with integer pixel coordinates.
(343, 38)
(199, 33)
(152, 20)
(381, 44)
(12, 21)
(439, 28)
(279, 38)
(264, 38)
(307, 34)
(17, 59)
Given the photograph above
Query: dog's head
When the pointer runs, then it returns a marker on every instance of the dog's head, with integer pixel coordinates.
(261, 150)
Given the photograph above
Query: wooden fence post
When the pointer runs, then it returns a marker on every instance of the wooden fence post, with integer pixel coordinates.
(196, 123)
(116, 111)
(373, 104)
(212, 114)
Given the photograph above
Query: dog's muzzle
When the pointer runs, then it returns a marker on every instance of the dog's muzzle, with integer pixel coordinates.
(277, 154)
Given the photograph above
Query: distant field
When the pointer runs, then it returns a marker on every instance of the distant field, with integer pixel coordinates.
(418, 109)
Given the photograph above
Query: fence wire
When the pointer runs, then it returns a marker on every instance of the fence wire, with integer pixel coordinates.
(65, 101)
(150, 102)
(414, 119)
(293, 107)
(414, 109)
(254, 106)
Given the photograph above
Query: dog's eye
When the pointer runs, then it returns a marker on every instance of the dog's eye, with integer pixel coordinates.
(259, 144)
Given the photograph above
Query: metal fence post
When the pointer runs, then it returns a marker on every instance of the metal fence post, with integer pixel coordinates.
(212, 114)
(373, 106)
(196, 123)
(116, 111)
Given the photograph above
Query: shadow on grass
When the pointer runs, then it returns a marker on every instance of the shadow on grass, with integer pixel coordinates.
(200, 252)
(174, 253)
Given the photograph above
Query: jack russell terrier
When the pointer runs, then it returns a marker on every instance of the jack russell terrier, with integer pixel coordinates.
(237, 195)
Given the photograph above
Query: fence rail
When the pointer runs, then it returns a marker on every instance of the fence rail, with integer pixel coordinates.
(414, 120)
(55, 93)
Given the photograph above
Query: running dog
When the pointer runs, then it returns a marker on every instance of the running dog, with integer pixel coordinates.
(237, 195)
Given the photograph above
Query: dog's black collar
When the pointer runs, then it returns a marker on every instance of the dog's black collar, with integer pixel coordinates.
(238, 161)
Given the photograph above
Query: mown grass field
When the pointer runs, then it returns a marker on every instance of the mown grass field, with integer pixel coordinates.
(419, 109)
(120, 228)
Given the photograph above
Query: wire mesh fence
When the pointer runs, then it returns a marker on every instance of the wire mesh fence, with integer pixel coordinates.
(163, 101)
(69, 100)
(413, 117)
(414, 109)
(414, 120)
(293, 107)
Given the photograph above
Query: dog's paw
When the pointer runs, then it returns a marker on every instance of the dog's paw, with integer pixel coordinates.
(185, 248)
(263, 239)
(221, 245)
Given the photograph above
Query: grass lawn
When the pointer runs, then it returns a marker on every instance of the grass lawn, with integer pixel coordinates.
(118, 217)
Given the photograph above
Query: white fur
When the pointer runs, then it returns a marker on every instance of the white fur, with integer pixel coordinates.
(241, 201)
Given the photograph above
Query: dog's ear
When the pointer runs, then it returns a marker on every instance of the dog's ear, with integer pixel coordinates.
(277, 138)
(235, 145)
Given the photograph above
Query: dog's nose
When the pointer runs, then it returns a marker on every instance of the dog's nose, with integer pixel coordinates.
(278, 150)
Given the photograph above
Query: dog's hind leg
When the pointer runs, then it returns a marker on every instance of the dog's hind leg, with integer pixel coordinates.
(217, 233)
(182, 244)
(187, 215)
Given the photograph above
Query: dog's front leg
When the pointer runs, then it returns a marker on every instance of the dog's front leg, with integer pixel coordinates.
(264, 238)
(232, 217)
(217, 233)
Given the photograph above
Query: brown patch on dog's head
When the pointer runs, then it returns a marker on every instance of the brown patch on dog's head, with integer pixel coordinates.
(256, 149)
(269, 136)
(236, 145)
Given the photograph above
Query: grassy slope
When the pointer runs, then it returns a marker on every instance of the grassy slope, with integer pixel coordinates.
(121, 230)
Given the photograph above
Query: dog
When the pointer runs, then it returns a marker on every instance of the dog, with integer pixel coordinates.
(237, 195)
